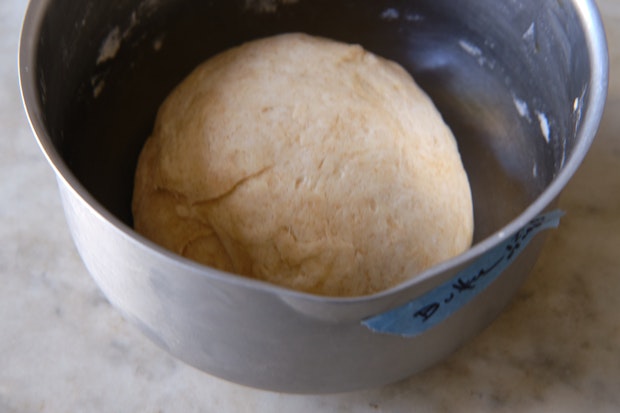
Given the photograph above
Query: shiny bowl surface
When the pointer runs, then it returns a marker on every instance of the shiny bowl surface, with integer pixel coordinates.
(522, 84)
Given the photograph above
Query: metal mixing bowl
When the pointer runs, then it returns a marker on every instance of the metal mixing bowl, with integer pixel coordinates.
(522, 84)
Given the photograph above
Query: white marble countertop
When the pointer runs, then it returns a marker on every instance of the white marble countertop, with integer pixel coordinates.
(64, 349)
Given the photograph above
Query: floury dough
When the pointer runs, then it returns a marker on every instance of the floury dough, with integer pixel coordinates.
(307, 163)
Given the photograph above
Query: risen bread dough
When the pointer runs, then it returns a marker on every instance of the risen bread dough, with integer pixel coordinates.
(307, 163)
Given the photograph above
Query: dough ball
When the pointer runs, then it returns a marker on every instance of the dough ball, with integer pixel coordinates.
(307, 163)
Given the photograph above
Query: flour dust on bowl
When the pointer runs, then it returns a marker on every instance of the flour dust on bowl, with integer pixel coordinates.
(522, 85)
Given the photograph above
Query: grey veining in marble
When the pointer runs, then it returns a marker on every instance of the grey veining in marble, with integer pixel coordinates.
(64, 349)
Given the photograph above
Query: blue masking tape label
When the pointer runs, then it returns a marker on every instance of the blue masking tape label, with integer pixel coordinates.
(432, 308)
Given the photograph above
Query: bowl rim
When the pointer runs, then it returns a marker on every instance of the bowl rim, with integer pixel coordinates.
(599, 65)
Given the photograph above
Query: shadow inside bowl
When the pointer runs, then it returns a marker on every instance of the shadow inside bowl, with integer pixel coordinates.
(101, 91)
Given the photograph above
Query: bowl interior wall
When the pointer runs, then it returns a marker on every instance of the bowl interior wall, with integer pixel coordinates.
(499, 72)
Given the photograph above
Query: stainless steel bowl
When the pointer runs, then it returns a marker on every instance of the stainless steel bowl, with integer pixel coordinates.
(521, 83)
